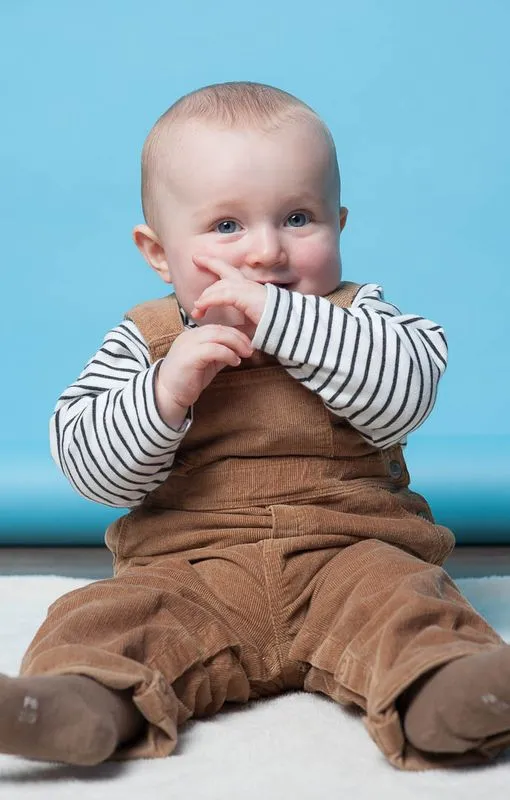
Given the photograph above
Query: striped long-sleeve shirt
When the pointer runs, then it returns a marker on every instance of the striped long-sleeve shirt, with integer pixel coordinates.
(371, 364)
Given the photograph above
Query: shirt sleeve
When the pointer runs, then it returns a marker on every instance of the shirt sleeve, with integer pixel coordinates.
(106, 433)
(369, 363)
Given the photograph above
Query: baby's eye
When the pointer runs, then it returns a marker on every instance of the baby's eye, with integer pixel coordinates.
(227, 226)
(298, 219)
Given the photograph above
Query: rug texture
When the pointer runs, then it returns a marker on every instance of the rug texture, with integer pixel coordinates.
(293, 747)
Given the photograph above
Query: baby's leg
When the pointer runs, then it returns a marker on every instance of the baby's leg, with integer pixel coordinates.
(68, 718)
(126, 661)
(394, 635)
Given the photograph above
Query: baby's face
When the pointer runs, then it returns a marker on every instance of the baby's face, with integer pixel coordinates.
(265, 202)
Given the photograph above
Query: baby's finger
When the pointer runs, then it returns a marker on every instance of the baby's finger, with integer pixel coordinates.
(222, 293)
(212, 351)
(231, 337)
(238, 340)
(218, 267)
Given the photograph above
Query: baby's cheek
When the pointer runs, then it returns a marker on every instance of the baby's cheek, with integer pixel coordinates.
(199, 280)
(315, 257)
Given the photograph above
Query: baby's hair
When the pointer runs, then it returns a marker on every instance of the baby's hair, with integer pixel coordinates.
(233, 104)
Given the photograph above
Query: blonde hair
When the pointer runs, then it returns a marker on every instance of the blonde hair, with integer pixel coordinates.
(235, 103)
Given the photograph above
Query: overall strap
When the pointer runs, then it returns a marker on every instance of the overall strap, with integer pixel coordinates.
(344, 294)
(159, 321)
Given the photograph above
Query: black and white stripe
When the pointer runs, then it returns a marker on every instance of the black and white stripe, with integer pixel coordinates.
(106, 433)
(369, 363)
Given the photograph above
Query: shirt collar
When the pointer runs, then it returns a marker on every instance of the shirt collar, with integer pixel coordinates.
(187, 321)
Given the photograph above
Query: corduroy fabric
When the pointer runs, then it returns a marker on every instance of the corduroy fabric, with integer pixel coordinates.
(282, 552)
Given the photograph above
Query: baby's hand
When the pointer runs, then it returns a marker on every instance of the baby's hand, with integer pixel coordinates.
(196, 356)
(232, 290)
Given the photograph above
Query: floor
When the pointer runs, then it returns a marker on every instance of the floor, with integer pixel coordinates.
(96, 562)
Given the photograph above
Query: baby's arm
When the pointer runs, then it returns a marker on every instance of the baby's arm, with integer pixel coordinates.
(106, 433)
(114, 432)
(371, 364)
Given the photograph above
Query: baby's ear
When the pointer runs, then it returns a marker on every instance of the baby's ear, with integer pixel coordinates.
(343, 216)
(152, 250)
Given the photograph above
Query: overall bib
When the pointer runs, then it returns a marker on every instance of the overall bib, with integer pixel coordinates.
(282, 552)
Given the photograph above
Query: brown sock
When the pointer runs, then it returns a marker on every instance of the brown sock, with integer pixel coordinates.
(67, 718)
(458, 706)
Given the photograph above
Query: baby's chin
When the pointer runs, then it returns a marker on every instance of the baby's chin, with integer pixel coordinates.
(223, 316)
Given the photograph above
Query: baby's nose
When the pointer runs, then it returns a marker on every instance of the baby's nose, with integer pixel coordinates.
(266, 251)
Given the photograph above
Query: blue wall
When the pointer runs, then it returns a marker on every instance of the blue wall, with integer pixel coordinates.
(416, 95)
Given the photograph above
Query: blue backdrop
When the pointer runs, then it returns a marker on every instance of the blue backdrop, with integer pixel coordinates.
(417, 98)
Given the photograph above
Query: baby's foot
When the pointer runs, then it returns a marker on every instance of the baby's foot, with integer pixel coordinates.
(461, 704)
(67, 718)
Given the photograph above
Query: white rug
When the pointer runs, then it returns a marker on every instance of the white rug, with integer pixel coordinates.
(296, 746)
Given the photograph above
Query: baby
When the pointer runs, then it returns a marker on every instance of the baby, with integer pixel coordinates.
(253, 422)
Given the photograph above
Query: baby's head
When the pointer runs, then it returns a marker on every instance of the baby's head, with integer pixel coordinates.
(247, 173)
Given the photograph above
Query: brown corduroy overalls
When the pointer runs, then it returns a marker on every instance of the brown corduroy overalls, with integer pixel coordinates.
(282, 552)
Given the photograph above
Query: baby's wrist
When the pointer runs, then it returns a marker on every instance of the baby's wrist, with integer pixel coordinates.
(172, 412)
